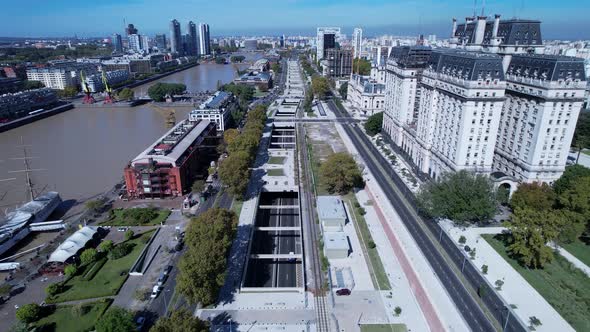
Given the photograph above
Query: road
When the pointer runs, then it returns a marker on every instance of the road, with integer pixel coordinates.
(463, 299)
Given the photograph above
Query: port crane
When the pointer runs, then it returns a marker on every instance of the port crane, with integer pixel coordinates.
(107, 89)
(88, 99)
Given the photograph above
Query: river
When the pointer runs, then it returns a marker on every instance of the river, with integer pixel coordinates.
(82, 152)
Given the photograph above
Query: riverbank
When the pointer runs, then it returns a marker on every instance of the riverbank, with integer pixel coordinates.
(37, 116)
(157, 77)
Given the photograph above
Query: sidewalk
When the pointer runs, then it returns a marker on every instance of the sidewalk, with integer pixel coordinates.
(435, 303)
(516, 290)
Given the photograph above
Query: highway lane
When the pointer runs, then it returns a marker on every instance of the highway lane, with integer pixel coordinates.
(466, 304)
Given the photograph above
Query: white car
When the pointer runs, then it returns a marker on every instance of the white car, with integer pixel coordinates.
(155, 291)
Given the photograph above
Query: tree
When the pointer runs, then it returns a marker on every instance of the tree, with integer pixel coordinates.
(463, 197)
(180, 320)
(53, 289)
(536, 195)
(68, 92)
(94, 205)
(129, 235)
(106, 246)
(237, 58)
(575, 205)
(499, 283)
(343, 90)
(88, 256)
(70, 270)
(80, 309)
(320, 86)
(276, 68)
(581, 138)
(28, 313)
(220, 60)
(159, 91)
(230, 135)
(397, 311)
(535, 322)
(484, 269)
(31, 85)
(569, 177)
(201, 270)
(531, 230)
(472, 253)
(126, 94)
(116, 319)
(235, 173)
(462, 239)
(340, 173)
(198, 186)
(120, 250)
(374, 124)
(361, 66)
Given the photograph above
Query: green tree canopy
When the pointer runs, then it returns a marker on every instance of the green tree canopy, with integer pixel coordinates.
(198, 186)
(536, 195)
(245, 93)
(88, 256)
(116, 319)
(220, 60)
(31, 85)
(374, 124)
(68, 92)
(159, 91)
(106, 245)
(361, 66)
(569, 177)
(343, 90)
(28, 313)
(234, 172)
(70, 270)
(230, 135)
(202, 268)
(530, 231)
(320, 86)
(180, 320)
(94, 205)
(340, 173)
(463, 197)
(237, 58)
(126, 94)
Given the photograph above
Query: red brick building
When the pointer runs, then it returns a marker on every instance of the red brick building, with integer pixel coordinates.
(168, 167)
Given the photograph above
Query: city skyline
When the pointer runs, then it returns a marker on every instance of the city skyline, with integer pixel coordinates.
(67, 18)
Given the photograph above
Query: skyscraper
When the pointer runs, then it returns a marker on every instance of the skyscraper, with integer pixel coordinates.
(145, 43)
(117, 42)
(134, 42)
(161, 42)
(282, 41)
(130, 30)
(204, 39)
(357, 42)
(192, 42)
(326, 38)
(175, 38)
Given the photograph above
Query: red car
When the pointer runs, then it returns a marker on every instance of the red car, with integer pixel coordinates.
(343, 291)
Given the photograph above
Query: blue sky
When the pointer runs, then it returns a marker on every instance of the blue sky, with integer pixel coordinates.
(561, 19)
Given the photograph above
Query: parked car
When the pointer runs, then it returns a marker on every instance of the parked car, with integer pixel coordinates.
(155, 291)
(122, 229)
(179, 246)
(343, 292)
(162, 278)
(167, 269)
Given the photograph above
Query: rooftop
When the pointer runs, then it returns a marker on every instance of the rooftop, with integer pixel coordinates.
(330, 207)
(335, 241)
(216, 101)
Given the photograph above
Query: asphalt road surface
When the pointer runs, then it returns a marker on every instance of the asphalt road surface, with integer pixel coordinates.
(464, 301)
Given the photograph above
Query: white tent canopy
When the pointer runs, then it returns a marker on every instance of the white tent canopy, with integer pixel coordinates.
(73, 244)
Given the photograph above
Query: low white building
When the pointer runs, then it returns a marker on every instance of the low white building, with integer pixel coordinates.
(216, 109)
(331, 212)
(336, 245)
(366, 94)
(62, 75)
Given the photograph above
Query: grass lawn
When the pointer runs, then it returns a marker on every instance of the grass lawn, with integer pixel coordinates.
(277, 160)
(64, 319)
(107, 281)
(580, 250)
(384, 328)
(118, 220)
(378, 275)
(566, 288)
(275, 172)
(314, 159)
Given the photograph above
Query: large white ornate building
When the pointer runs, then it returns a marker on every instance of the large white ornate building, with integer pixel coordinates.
(489, 105)
(366, 94)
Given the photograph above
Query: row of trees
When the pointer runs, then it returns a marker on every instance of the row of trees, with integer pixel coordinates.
(361, 66)
(33, 54)
(234, 171)
(159, 91)
(543, 213)
(237, 58)
(320, 86)
(202, 268)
